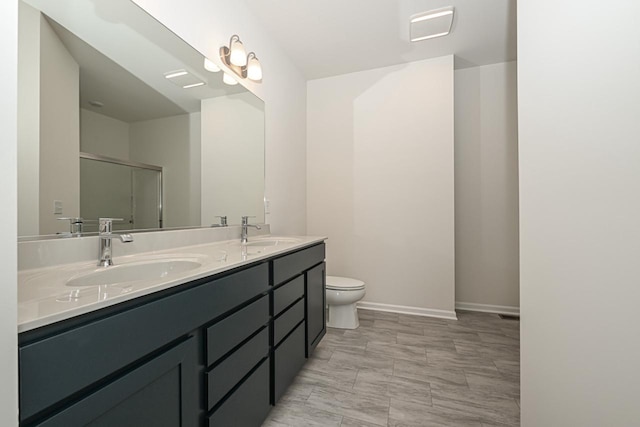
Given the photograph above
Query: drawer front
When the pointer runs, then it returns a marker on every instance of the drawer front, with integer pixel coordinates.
(232, 369)
(287, 321)
(285, 295)
(249, 405)
(231, 331)
(291, 265)
(69, 361)
(289, 358)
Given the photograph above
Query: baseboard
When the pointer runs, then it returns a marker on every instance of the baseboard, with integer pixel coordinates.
(416, 311)
(488, 308)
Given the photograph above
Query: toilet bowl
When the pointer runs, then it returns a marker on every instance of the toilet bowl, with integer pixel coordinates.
(342, 295)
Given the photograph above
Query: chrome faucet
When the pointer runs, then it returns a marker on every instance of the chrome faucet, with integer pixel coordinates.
(245, 228)
(105, 236)
(75, 226)
(223, 221)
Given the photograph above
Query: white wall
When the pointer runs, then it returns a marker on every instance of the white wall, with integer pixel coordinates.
(207, 25)
(100, 134)
(8, 215)
(380, 180)
(195, 155)
(486, 183)
(233, 154)
(166, 142)
(579, 127)
(59, 131)
(29, 121)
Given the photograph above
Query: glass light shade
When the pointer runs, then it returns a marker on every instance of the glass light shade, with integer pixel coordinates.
(226, 78)
(237, 55)
(254, 69)
(210, 66)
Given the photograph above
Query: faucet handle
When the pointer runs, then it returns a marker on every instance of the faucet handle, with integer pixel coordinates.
(106, 224)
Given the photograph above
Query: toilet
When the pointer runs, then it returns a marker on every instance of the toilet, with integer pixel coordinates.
(342, 295)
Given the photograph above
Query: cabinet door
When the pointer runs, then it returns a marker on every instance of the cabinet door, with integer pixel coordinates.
(316, 303)
(161, 392)
(288, 360)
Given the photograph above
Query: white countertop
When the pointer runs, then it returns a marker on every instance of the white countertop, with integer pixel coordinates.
(44, 297)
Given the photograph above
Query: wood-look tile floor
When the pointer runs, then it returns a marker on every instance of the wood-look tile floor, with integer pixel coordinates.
(401, 370)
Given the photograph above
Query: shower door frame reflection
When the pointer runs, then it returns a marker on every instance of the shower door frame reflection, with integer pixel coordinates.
(132, 164)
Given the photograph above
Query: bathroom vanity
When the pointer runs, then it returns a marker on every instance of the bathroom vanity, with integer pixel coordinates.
(215, 350)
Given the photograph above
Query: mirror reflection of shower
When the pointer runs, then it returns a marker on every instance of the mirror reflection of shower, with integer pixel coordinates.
(120, 189)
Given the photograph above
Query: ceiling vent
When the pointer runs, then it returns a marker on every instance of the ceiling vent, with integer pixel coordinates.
(431, 24)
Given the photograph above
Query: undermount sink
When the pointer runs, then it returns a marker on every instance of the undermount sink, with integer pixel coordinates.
(157, 269)
(272, 242)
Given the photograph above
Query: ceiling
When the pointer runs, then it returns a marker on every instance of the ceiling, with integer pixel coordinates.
(332, 37)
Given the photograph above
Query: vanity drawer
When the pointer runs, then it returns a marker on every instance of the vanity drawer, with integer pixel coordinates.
(288, 359)
(286, 294)
(287, 321)
(64, 363)
(231, 331)
(291, 265)
(232, 369)
(248, 405)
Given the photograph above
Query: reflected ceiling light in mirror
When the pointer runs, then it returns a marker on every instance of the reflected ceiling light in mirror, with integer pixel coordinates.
(210, 66)
(184, 79)
(174, 74)
(247, 67)
(431, 24)
(226, 78)
(193, 85)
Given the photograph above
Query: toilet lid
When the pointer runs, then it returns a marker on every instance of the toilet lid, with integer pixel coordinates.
(341, 283)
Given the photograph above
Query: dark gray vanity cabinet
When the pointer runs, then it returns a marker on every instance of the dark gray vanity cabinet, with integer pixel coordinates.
(298, 301)
(217, 351)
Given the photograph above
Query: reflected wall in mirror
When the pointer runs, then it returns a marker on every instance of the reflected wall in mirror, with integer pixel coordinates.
(103, 77)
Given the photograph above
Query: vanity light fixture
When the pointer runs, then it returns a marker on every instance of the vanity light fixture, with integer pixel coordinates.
(243, 65)
(209, 65)
(254, 69)
(237, 54)
(431, 24)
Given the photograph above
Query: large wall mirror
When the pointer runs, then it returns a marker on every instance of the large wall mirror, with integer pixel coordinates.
(118, 117)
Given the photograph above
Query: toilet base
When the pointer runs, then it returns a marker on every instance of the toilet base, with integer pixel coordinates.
(343, 316)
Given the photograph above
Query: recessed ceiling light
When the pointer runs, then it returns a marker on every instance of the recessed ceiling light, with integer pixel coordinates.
(431, 24)
(193, 85)
(174, 74)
